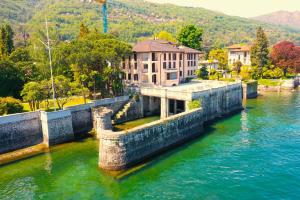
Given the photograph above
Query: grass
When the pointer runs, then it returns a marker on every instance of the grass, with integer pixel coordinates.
(269, 82)
(73, 101)
(135, 123)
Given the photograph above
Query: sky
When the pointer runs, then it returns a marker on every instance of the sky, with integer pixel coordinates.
(242, 8)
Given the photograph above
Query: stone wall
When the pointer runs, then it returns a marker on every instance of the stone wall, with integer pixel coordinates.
(57, 127)
(24, 130)
(220, 101)
(82, 118)
(250, 90)
(133, 112)
(20, 131)
(119, 150)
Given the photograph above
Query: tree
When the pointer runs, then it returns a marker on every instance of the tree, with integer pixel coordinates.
(11, 79)
(220, 55)
(191, 36)
(260, 51)
(33, 93)
(6, 40)
(237, 66)
(23, 61)
(63, 90)
(202, 73)
(9, 105)
(286, 56)
(164, 35)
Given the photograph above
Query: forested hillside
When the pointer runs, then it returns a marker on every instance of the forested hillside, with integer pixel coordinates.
(134, 19)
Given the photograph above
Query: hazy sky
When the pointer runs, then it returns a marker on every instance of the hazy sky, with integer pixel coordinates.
(243, 8)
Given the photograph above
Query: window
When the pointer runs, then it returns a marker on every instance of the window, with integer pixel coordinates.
(153, 68)
(135, 65)
(169, 56)
(165, 56)
(123, 64)
(245, 54)
(174, 56)
(136, 77)
(153, 56)
(172, 76)
(145, 66)
(180, 73)
(164, 65)
(129, 76)
(180, 57)
(180, 64)
(145, 56)
(135, 56)
(123, 76)
(174, 65)
(170, 64)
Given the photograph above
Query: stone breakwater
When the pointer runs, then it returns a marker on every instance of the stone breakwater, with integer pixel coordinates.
(120, 150)
(28, 129)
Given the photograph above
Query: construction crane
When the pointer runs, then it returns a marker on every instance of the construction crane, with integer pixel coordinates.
(104, 13)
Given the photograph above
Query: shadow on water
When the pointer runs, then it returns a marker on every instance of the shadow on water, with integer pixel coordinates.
(165, 154)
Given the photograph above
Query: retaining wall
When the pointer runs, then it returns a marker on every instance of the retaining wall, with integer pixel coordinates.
(250, 90)
(20, 131)
(119, 150)
(27, 129)
(57, 127)
(82, 117)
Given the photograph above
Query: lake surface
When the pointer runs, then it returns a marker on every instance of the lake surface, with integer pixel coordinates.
(251, 155)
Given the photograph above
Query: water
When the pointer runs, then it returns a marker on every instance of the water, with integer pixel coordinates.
(252, 155)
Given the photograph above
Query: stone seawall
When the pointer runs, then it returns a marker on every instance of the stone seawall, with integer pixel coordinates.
(57, 127)
(82, 117)
(220, 101)
(250, 90)
(119, 150)
(20, 131)
(27, 129)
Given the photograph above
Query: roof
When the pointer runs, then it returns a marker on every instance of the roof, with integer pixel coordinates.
(161, 46)
(238, 47)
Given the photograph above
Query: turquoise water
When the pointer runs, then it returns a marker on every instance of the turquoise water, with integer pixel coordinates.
(252, 155)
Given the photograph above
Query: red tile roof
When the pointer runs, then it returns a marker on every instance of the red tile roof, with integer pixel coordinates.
(161, 46)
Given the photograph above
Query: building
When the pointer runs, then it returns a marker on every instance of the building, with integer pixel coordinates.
(209, 64)
(159, 62)
(239, 53)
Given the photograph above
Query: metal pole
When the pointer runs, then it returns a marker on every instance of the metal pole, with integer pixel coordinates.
(50, 63)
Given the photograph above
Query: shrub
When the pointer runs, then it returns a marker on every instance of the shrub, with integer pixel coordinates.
(9, 105)
(194, 104)
(202, 73)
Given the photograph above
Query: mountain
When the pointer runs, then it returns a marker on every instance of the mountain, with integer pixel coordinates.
(132, 20)
(285, 18)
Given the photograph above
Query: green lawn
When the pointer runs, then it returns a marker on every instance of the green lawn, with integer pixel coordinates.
(269, 82)
(135, 123)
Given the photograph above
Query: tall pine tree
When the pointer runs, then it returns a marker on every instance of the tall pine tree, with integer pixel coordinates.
(6, 40)
(260, 51)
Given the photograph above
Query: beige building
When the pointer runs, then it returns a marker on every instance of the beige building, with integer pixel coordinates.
(159, 62)
(239, 53)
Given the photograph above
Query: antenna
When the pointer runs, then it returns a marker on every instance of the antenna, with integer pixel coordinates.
(50, 62)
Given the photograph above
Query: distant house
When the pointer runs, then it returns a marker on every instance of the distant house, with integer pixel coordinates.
(239, 53)
(209, 64)
(159, 62)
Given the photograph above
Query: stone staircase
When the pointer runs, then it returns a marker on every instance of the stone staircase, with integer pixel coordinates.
(123, 111)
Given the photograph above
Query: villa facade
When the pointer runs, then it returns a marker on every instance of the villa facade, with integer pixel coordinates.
(161, 63)
(239, 53)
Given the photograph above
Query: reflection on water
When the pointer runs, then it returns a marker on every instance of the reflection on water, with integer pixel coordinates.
(252, 155)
